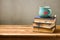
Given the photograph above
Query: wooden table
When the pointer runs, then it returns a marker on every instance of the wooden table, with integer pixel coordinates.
(25, 32)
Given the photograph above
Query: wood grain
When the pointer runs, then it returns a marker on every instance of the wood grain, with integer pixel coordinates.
(26, 30)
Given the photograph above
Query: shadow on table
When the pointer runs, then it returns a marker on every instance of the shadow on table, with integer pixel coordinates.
(57, 31)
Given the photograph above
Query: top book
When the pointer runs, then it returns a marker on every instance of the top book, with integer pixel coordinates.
(39, 19)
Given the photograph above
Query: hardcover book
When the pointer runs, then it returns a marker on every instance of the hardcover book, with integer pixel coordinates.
(43, 30)
(43, 25)
(45, 20)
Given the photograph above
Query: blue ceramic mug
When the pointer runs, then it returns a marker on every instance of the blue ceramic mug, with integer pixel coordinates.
(45, 11)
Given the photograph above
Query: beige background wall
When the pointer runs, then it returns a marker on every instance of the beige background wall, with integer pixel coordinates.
(23, 11)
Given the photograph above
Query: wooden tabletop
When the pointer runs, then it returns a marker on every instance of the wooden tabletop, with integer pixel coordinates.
(25, 30)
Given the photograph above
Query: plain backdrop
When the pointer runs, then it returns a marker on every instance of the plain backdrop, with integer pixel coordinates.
(24, 11)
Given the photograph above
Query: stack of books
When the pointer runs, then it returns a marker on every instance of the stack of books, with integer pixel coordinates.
(46, 25)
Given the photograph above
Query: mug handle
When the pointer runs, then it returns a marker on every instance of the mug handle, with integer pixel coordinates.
(50, 11)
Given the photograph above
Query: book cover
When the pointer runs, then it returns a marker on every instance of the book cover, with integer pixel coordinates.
(41, 20)
(43, 25)
(46, 30)
(45, 20)
(42, 30)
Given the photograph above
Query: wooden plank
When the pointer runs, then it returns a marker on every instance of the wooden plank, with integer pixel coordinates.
(22, 30)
